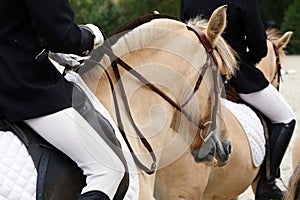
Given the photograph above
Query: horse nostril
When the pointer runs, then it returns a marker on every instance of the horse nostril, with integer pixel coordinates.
(229, 149)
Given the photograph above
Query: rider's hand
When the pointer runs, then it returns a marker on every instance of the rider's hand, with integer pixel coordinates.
(95, 31)
(67, 60)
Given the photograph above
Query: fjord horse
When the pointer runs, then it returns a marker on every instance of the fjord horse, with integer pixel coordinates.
(270, 65)
(160, 84)
(293, 191)
(152, 59)
(162, 97)
(185, 179)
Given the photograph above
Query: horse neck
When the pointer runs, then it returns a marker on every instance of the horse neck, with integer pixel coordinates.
(171, 70)
(268, 64)
(151, 113)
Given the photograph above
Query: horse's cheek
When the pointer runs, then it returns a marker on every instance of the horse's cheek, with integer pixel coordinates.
(197, 142)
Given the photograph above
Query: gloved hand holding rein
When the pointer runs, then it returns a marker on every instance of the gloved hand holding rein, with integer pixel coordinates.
(95, 31)
(75, 61)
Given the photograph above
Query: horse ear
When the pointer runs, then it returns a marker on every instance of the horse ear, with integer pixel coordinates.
(284, 40)
(216, 24)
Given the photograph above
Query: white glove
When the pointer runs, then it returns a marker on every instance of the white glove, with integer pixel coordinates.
(69, 60)
(95, 31)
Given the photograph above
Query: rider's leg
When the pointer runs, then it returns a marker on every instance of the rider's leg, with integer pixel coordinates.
(270, 102)
(68, 131)
(280, 138)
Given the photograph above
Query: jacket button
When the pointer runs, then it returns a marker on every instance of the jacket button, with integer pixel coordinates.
(16, 42)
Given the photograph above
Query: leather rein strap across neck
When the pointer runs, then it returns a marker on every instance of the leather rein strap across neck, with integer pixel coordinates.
(118, 61)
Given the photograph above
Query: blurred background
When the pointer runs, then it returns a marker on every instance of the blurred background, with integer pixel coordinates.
(110, 14)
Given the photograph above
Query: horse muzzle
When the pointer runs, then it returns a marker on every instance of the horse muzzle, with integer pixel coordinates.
(213, 152)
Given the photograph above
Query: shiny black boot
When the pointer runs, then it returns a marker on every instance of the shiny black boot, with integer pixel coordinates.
(93, 195)
(267, 188)
(280, 138)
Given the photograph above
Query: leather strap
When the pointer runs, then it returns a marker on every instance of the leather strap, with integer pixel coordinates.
(153, 167)
(118, 61)
(210, 51)
(42, 171)
(202, 37)
(278, 67)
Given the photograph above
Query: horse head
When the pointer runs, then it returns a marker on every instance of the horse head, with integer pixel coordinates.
(270, 65)
(161, 64)
(217, 148)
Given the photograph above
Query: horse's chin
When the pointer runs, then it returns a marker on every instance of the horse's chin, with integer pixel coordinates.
(210, 159)
(213, 152)
(221, 161)
(207, 160)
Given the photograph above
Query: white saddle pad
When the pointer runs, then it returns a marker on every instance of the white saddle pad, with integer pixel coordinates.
(18, 175)
(252, 127)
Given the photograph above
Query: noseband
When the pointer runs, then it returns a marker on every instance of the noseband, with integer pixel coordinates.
(119, 62)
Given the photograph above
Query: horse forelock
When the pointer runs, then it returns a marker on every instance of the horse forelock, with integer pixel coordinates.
(273, 33)
(227, 54)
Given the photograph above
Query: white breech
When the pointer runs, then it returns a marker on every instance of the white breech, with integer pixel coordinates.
(270, 102)
(68, 131)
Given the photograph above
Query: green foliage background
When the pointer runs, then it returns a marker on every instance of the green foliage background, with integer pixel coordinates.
(273, 10)
(110, 14)
(292, 22)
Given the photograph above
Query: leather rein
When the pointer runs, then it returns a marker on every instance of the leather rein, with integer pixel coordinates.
(119, 62)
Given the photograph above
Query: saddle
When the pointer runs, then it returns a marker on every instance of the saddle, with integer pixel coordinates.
(55, 169)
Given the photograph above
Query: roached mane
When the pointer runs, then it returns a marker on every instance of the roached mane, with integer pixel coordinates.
(227, 54)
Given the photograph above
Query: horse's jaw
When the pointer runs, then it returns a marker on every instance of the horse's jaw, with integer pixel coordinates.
(213, 152)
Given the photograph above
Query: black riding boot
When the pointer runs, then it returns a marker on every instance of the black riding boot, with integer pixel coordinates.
(280, 138)
(93, 195)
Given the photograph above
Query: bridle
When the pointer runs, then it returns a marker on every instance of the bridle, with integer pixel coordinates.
(278, 67)
(119, 62)
(211, 56)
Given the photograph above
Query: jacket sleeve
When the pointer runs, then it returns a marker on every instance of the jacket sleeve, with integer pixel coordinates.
(183, 11)
(54, 21)
(255, 31)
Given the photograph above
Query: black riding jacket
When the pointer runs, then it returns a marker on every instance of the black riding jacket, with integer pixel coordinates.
(30, 85)
(244, 32)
